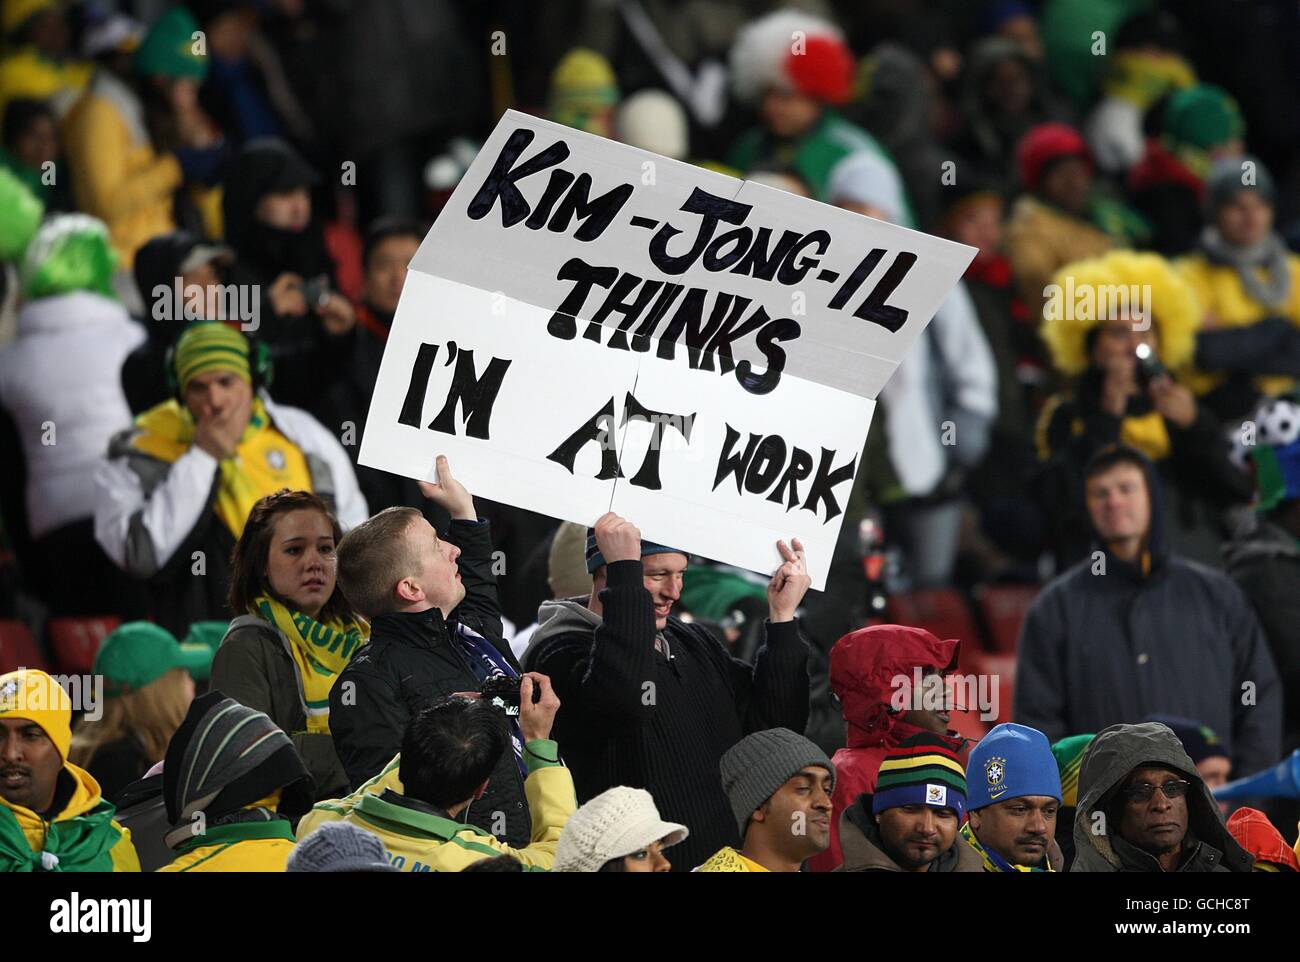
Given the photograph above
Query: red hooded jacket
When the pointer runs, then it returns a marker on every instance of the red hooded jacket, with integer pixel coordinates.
(864, 664)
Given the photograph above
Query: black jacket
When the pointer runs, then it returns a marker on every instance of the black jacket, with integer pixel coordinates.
(631, 714)
(410, 662)
(1106, 643)
(1265, 563)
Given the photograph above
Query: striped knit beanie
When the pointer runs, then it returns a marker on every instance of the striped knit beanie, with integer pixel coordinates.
(211, 346)
(596, 560)
(223, 758)
(923, 770)
(1069, 756)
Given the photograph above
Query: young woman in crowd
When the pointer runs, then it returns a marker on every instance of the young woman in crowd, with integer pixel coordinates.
(148, 686)
(294, 632)
(617, 831)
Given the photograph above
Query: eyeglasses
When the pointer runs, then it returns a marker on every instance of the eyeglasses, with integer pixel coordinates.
(1173, 788)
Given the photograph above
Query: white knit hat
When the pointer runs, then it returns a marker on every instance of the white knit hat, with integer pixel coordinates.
(655, 121)
(615, 823)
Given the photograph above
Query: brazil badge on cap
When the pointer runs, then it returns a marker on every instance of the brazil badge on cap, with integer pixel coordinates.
(139, 653)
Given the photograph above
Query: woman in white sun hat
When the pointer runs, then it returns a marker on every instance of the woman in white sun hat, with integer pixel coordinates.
(617, 831)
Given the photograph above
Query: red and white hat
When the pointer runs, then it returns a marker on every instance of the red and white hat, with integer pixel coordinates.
(795, 52)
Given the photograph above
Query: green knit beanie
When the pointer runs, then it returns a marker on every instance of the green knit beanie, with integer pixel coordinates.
(168, 48)
(1202, 116)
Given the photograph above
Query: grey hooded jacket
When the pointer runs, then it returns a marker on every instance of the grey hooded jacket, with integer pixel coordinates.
(1116, 751)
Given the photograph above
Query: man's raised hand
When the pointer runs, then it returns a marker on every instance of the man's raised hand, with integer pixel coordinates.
(789, 583)
(618, 539)
(449, 493)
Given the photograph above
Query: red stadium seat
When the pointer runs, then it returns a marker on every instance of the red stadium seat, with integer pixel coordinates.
(993, 673)
(74, 641)
(942, 611)
(18, 648)
(1004, 608)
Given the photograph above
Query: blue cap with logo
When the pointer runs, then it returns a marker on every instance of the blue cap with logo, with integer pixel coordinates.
(1011, 761)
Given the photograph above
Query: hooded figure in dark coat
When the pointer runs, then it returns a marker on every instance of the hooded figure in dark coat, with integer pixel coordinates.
(1115, 832)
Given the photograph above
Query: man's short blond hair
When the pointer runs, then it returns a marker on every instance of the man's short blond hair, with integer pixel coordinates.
(374, 556)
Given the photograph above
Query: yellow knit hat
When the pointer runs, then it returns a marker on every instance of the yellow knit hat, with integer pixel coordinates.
(1080, 291)
(34, 696)
(582, 84)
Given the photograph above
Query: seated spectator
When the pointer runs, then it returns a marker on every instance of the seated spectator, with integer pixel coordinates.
(617, 831)
(1120, 351)
(973, 213)
(450, 754)
(294, 631)
(602, 654)
(1203, 747)
(231, 782)
(900, 104)
(1004, 95)
(779, 785)
(1136, 628)
(340, 847)
(656, 121)
(866, 668)
(1248, 284)
(584, 93)
(435, 630)
(793, 92)
(29, 149)
(1200, 126)
(1069, 755)
(39, 62)
(148, 686)
(947, 378)
(1013, 799)
(59, 386)
(910, 823)
(120, 171)
(53, 817)
(1055, 222)
(280, 248)
(1256, 834)
(246, 91)
(1143, 808)
(345, 403)
(1264, 558)
(202, 270)
(1144, 71)
(173, 495)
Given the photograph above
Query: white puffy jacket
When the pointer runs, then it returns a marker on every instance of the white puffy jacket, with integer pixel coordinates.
(61, 382)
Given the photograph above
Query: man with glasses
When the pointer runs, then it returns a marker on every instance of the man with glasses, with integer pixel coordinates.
(1143, 808)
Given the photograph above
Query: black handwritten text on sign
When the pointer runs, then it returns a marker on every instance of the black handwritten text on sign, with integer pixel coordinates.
(475, 393)
(709, 322)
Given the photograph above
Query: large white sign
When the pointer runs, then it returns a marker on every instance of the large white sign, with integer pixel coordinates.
(590, 327)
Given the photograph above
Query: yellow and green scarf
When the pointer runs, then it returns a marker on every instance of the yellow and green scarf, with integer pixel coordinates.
(993, 862)
(321, 651)
(265, 462)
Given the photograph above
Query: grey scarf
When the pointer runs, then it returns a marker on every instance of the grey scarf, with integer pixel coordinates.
(1269, 254)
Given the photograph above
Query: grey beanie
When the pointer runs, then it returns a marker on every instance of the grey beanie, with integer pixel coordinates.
(339, 847)
(1229, 177)
(757, 765)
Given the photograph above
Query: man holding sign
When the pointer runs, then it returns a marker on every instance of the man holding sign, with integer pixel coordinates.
(653, 702)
